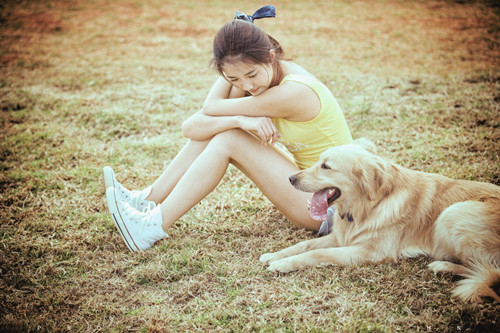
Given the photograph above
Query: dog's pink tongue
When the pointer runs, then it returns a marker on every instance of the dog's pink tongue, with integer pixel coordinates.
(319, 205)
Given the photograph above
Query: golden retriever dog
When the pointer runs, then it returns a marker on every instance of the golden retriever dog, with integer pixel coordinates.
(386, 211)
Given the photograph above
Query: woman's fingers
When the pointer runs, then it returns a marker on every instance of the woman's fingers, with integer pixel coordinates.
(270, 131)
(266, 134)
(264, 128)
(273, 133)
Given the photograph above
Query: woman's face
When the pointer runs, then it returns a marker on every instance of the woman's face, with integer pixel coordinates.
(247, 76)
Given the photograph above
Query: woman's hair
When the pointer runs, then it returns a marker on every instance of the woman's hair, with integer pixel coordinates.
(241, 40)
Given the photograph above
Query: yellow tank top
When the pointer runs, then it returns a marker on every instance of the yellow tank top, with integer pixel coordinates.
(306, 140)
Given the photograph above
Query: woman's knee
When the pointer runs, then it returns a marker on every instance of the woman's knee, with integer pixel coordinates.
(308, 224)
(231, 140)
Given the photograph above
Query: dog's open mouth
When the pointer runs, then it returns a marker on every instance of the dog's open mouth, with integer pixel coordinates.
(320, 202)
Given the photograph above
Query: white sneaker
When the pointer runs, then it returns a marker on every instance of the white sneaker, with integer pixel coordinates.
(139, 230)
(134, 198)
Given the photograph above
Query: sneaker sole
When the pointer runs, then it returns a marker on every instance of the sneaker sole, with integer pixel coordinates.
(117, 219)
(108, 177)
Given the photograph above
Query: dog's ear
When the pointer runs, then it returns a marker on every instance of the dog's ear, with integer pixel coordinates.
(369, 176)
(366, 144)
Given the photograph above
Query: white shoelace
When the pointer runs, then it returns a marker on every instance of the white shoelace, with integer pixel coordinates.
(135, 200)
(133, 214)
(147, 214)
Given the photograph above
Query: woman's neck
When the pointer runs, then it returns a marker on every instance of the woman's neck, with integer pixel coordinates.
(278, 73)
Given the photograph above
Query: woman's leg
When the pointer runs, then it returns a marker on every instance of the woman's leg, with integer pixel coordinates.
(162, 187)
(267, 168)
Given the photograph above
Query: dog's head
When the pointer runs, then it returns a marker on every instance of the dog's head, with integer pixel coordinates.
(342, 175)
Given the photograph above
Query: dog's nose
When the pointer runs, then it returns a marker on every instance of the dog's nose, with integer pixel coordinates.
(292, 179)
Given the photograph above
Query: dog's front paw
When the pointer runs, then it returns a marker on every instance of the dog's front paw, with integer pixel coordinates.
(442, 267)
(282, 266)
(266, 258)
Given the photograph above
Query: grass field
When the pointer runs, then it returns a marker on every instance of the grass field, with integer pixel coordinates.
(84, 84)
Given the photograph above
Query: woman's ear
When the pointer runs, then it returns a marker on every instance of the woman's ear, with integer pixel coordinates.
(272, 55)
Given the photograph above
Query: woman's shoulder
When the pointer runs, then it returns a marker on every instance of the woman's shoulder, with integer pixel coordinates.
(297, 91)
(294, 72)
(292, 69)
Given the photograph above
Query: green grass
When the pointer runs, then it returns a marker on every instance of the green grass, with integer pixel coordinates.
(88, 84)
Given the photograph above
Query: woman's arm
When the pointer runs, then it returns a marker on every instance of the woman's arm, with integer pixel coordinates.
(202, 127)
(291, 100)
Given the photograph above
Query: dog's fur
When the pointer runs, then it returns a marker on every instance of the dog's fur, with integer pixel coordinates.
(399, 212)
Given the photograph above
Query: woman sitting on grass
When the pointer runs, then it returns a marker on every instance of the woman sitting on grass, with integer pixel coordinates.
(259, 98)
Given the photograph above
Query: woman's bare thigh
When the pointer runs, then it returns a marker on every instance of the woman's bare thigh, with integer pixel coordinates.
(269, 170)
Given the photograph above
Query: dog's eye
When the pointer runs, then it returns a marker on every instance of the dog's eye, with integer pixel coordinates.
(324, 166)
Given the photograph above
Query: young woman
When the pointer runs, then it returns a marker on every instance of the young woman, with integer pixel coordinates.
(260, 98)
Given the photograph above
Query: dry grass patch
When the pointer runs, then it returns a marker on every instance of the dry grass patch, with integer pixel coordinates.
(87, 84)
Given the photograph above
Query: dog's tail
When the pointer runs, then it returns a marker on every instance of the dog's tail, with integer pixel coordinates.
(478, 282)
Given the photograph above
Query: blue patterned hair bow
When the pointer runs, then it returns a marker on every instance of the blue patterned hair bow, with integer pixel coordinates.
(266, 11)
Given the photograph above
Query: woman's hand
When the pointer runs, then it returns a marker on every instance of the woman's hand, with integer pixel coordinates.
(262, 127)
